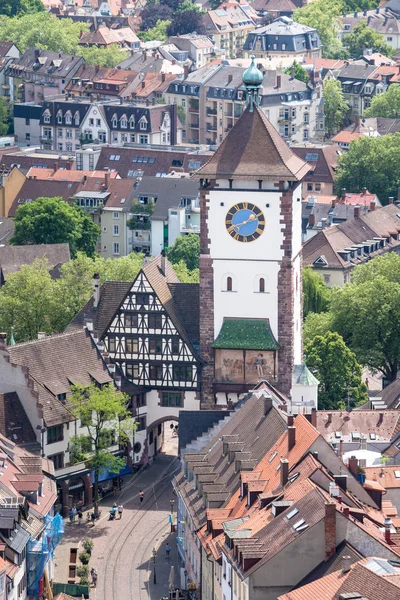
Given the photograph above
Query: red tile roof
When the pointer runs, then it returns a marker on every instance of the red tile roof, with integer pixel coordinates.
(321, 589)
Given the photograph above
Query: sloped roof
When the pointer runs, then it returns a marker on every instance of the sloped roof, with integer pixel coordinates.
(14, 423)
(13, 257)
(248, 334)
(254, 149)
(57, 362)
(385, 424)
(323, 589)
(37, 188)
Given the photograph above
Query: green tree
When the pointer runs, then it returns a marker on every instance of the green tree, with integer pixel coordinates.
(53, 221)
(153, 13)
(335, 106)
(358, 5)
(123, 269)
(366, 313)
(186, 276)
(158, 32)
(316, 324)
(373, 163)
(103, 57)
(363, 37)
(27, 301)
(315, 292)
(324, 16)
(297, 71)
(15, 8)
(104, 414)
(337, 370)
(4, 116)
(187, 249)
(43, 30)
(386, 104)
(186, 22)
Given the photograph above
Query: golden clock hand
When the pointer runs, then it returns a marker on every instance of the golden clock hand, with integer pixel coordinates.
(234, 226)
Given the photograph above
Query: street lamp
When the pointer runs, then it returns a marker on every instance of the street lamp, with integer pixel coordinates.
(172, 502)
(154, 566)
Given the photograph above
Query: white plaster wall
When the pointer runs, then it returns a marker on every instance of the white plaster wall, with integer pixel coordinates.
(155, 411)
(94, 113)
(157, 237)
(297, 312)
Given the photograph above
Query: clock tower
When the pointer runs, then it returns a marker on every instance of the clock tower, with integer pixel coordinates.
(250, 263)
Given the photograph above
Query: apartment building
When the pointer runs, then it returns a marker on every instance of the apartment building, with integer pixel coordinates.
(68, 125)
(199, 48)
(283, 38)
(384, 22)
(214, 98)
(228, 26)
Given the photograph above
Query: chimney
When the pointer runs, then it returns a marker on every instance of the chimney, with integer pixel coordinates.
(3, 341)
(185, 71)
(364, 191)
(230, 78)
(290, 420)
(278, 81)
(121, 100)
(333, 202)
(284, 471)
(357, 211)
(353, 465)
(387, 524)
(341, 449)
(341, 481)
(343, 196)
(107, 179)
(162, 77)
(147, 102)
(146, 258)
(96, 290)
(346, 564)
(291, 430)
(267, 404)
(173, 62)
(143, 84)
(372, 205)
(56, 166)
(314, 417)
(381, 415)
(330, 529)
(311, 220)
(153, 101)
(391, 200)
(163, 262)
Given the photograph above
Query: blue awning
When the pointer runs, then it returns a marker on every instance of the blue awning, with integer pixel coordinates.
(107, 474)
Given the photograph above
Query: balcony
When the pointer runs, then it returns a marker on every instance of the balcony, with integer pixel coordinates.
(46, 138)
(211, 127)
(137, 241)
(194, 125)
(211, 111)
(194, 110)
(190, 229)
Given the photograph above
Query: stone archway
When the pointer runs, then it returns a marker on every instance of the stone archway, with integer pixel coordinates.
(158, 437)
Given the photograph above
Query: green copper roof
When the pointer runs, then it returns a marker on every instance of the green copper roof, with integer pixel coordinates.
(252, 76)
(303, 376)
(246, 334)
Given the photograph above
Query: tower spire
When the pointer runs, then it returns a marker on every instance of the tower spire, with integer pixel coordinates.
(252, 79)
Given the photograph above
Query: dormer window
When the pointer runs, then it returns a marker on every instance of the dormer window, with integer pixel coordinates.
(68, 118)
(59, 117)
(132, 122)
(115, 121)
(143, 124)
(76, 118)
(46, 118)
(124, 122)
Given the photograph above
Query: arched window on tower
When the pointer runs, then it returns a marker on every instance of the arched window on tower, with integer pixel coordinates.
(261, 285)
(229, 284)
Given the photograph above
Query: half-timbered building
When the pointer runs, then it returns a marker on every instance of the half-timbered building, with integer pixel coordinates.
(149, 330)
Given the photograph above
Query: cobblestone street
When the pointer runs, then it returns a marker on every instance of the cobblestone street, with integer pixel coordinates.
(122, 553)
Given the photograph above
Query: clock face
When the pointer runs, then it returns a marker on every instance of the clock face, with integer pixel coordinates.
(245, 222)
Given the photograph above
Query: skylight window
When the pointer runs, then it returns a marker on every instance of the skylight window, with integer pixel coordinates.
(271, 458)
(292, 513)
(372, 436)
(397, 474)
(338, 435)
(355, 435)
(298, 524)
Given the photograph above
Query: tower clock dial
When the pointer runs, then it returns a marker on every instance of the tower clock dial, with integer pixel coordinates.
(245, 222)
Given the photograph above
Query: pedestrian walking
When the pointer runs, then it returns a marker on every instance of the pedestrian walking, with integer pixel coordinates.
(71, 516)
(93, 574)
(167, 550)
(93, 517)
(120, 509)
(141, 496)
(80, 516)
(74, 513)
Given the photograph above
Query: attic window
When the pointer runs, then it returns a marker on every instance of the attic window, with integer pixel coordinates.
(312, 157)
(397, 474)
(338, 435)
(115, 156)
(271, 458)
(355, 435)
(292, 513)
(294, 477)
(372, 436)
(300, 525)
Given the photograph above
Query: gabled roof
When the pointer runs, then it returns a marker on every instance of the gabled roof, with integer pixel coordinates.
(384, 424)
(254, 149)
(14, 423)
(56, 363)
(323, 161)
(13, 257)
(169, 191)
(39, 188)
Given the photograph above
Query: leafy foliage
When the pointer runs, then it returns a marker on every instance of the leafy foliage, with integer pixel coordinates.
(158, 32)
(363, 37)
(373, 163)
(315, 292)
(53, 221)
(43, 30)
(4, 116)
(316, 324)
(31, 301)
(153, 13)
(103, 57)
(297, 71)
(337, 370)
(186, 249)
(102, 411)
(358, 5)
(386, 104)
(185, 22)
(335, 106)
(185, 275)
(84, 557)
(15, 8)
(324, 16)
(366, 313)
